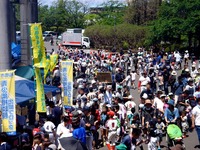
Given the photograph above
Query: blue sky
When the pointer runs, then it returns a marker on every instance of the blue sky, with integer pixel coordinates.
(89, 2)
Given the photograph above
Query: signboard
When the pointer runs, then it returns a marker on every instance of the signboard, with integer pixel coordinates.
(104, 77)
(7, 98)
(67, 82)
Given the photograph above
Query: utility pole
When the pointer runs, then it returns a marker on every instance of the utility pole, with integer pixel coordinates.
(5, 48)
(28, 14)
(25, 19)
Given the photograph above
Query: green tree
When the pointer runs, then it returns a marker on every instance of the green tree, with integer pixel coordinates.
(177, 19)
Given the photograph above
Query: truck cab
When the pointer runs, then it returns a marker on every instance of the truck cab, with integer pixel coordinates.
(85, 42)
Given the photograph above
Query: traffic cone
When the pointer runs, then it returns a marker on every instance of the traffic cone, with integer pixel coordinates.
(108, 145)
(112, 147)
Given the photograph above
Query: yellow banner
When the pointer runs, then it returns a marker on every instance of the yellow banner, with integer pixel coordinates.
(46, 69)
(67, 82)
(40, 96)
(53, 61)
(37, 42)
(7, 98)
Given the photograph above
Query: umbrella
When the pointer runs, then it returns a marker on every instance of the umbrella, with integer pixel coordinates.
(70, 143)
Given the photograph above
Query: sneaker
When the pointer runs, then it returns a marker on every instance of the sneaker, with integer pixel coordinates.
(159, 148)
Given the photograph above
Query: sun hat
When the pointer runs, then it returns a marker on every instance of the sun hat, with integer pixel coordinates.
(174, 73)
(163, 95)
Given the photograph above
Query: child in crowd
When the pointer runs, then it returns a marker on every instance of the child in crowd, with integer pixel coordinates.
(160, 126)
(184, 123)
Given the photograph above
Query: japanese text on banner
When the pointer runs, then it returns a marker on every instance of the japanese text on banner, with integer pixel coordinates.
(67, 82)
(7, 98)
(39, 56)
(40, 96)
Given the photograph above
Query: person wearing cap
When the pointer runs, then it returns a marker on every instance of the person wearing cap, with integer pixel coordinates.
(171, 113)
(196, 118)
(78, 131)
(112, 126)
(148, 113)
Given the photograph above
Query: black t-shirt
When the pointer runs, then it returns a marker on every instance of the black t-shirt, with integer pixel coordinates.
(89, 119)
(148, 114)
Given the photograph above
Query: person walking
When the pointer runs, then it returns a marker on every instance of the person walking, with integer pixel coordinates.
(196, 118)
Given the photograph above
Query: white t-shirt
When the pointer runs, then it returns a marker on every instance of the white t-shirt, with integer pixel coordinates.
(144, 80)
(129, 105)
(49, 126)
(158, 103)
(133, 76)
(111, 124)
(128, 80)
(178, 57)
(196, 113)
(62, 129)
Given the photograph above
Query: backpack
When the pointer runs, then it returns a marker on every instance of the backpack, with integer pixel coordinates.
(174, 131)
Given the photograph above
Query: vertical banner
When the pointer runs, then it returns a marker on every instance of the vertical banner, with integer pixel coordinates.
(37, 42)
(40, 96)
(46, 69)
(53, 61)
(67, 82)
(7, 97)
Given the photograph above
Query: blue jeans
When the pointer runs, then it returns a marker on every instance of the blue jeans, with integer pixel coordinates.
(198, 132)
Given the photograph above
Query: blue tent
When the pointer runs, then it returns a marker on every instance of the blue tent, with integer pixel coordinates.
(25, 90)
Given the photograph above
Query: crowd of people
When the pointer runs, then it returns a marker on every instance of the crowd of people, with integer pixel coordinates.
(108, 114)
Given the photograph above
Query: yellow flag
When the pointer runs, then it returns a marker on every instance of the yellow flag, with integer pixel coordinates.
(46, 69)
(40, 96)
(37, 42)
(53, 61)
(7, 98)
(67, 82)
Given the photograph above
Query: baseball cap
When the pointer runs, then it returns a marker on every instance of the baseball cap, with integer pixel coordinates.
(111, 113)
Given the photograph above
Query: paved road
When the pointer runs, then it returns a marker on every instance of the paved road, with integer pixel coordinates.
(190, 142)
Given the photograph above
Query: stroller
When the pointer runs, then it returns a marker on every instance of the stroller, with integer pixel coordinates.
(174, 136)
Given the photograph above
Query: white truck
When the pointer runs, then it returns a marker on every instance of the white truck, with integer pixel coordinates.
(72, 38)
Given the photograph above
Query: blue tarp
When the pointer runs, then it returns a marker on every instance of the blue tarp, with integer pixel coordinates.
(16, 51)
(25, 90)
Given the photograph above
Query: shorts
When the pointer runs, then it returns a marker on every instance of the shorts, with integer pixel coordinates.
(112, 137)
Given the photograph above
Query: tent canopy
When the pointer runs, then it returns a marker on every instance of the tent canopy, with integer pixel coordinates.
(25, 90)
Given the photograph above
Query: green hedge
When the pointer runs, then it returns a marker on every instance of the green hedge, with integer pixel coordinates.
(120, 36)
